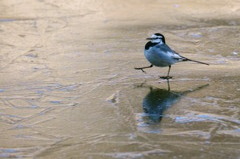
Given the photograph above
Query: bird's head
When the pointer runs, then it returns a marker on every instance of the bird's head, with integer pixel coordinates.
(157, 38)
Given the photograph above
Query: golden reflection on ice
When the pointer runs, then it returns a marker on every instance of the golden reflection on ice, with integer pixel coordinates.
(67, 83)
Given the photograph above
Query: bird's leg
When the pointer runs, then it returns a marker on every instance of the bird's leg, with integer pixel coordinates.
(168, 85)
(142, 68)
(169, 68)
(167, 77)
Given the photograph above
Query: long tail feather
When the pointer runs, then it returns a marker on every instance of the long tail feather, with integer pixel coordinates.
(186, 59)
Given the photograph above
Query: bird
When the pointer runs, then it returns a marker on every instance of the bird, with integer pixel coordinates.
(159, 54)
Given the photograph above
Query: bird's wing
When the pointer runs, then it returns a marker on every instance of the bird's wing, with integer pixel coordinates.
(172, 53)
(166, 49)
(177, 56)
(182, 58)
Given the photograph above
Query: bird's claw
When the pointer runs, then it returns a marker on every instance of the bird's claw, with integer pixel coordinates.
(166, 77)
(140, 69)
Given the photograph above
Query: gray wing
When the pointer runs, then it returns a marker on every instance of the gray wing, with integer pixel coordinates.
(165, 48)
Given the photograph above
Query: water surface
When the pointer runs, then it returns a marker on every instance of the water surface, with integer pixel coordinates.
(68, 88)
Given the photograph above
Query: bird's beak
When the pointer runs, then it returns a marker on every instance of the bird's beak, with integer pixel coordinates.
(149, 38)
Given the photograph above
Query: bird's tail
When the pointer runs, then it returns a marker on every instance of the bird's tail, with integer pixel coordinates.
(186, 59)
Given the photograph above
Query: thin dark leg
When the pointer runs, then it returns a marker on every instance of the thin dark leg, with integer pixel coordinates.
(169, 68)
(142, 68)
(168, 84)
(167, 77)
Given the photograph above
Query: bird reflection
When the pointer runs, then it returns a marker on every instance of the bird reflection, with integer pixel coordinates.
(157, 101)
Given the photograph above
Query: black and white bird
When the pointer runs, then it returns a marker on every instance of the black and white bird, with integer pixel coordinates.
(159, 54)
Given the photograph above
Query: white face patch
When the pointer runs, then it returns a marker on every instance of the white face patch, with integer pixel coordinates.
(156, 39)
(156, 36)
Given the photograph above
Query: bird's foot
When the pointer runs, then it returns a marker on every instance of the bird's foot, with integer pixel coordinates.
(140, 69)
(166, 77)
